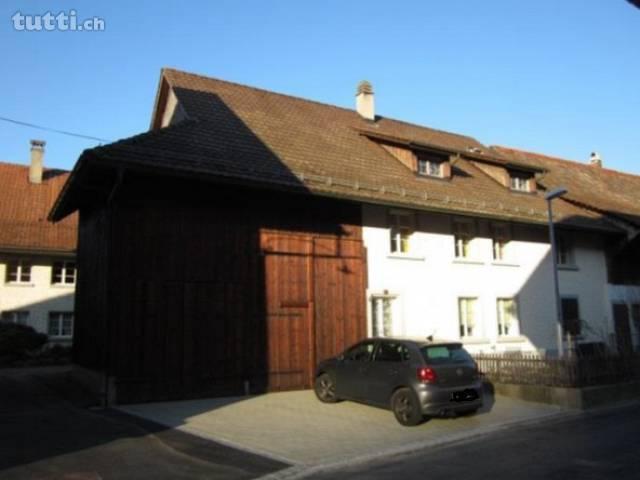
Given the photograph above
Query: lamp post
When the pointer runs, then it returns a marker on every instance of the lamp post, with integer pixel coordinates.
(549, 197)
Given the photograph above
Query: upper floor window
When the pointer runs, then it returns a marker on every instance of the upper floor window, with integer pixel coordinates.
(500, 241)
(564, 251)
(63, 273)
(18, 271)
(382, 315)
(60, 324)
(508, 324)
(400, 231)
(521, 182)
(462, 236)
(430, 167)
(15, 316)
(467, 316)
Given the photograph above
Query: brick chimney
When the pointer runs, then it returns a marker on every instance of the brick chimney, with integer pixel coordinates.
(595, 160)
(364, 101)
(36, 166)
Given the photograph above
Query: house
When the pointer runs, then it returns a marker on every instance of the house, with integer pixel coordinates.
(250, 234)
(37, 258)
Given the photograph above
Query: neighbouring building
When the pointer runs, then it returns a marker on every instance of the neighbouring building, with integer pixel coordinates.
(37, 258)
(250, 234)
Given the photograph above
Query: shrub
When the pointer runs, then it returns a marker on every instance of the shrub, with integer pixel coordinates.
(18, 340)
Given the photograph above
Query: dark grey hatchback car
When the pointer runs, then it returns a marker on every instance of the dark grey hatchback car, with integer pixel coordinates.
(414, 378)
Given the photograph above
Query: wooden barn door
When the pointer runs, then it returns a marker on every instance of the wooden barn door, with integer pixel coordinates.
(289, 315)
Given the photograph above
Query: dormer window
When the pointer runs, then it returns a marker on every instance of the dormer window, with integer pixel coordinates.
(521, 182)
(429, 167)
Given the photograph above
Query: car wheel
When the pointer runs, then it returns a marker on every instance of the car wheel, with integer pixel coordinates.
(325, 388)
(406, 407)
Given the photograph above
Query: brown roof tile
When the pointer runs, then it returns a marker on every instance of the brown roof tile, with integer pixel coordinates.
(23, 212)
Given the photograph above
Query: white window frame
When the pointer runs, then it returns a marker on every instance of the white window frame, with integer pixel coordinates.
(64, 272)
(634, 315)
(512, 327)
(21, 317)
(58, 318)
(500, 239)
(428, 167)
(519, 182)
(382, 321)
(21, 265)
(401, 228)
(468, 327)
(463, 235)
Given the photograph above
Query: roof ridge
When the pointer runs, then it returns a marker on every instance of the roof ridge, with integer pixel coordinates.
(317, 102)
(566, 160)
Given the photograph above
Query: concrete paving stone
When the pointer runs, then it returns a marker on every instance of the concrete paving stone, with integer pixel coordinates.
(296, 428)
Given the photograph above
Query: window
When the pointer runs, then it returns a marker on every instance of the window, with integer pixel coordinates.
(570, 317)
(382, 315)
(467, 311)
(520, 182)
(430, 167)
(462, 236)
(441, 354)
(564, 252)
(15, 316)
(391, 352)
(63, 273)
(635, 320)
(360, 353)
(500, 242)
(400, 231)
(60, 324)
(508, 324)
(18, 271)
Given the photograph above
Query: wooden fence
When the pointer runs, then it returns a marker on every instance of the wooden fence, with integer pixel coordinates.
(566, 372)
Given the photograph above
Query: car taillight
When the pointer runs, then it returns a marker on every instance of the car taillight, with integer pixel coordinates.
(427, 375)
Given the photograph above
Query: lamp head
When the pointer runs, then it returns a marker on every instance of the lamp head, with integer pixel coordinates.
(555, 193)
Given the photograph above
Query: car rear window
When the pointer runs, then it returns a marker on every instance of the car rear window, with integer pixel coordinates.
(439, 354)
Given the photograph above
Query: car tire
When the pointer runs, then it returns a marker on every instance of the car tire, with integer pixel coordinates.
(406, 407)
(325, 388)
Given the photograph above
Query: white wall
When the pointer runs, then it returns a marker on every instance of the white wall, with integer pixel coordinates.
(429, 281)
(39, 296)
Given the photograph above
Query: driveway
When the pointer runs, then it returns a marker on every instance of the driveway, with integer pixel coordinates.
(296, 428)
(48, 432)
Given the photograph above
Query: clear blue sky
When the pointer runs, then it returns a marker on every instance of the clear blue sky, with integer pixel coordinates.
(558, 77)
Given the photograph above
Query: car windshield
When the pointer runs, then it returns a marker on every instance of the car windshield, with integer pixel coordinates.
(440, 354)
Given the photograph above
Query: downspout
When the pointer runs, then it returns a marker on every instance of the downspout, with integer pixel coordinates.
(109, 219)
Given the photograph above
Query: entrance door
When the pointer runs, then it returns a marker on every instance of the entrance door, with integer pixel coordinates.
(623, 330)
(290, 355)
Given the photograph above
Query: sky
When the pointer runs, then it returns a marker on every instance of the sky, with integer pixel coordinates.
(555, 77)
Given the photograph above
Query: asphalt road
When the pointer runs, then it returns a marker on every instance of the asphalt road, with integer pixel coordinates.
(604, 445)
(47, 432)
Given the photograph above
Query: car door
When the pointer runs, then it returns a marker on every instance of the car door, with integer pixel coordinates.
(351, 370)
(390, 359)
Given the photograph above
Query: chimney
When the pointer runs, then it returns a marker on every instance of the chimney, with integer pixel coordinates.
(364, 101)
(37, 154)
(595, 160)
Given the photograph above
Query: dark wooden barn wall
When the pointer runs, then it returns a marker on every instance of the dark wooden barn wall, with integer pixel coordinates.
(215, 287)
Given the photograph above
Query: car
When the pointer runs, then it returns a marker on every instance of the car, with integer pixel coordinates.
(415, 378)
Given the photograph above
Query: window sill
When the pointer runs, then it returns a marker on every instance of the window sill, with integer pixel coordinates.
(474, 340)
(18, 284)
(500, 263)
(571, 268)
(63, 285)
(512, 339)
(405, 256)
(467, 261)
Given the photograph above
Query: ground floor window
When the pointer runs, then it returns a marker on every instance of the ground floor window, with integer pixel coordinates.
(382, 315)
(60, 324)
(508, 324)
(468, 316)
(571, 324)
(15, 316)
(635, 319)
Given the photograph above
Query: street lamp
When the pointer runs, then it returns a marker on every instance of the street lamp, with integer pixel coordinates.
(549, 197)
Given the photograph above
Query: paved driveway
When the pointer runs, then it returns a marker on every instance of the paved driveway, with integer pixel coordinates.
(296, 428)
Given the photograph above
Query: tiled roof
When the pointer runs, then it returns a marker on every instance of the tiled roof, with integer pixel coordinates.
(23, 212)
(609, 191)
(244, 133)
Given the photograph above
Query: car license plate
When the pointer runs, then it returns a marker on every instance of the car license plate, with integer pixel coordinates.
(467, 395)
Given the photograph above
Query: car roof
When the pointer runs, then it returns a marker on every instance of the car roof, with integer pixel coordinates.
(419, 341)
